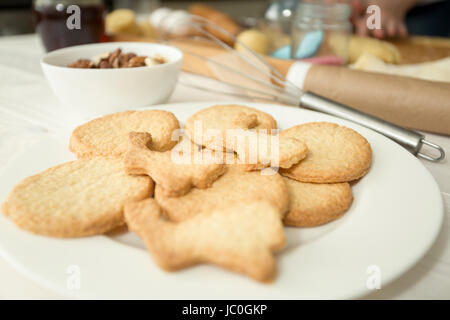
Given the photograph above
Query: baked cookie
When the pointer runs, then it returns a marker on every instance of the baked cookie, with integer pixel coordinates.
(257, 150)
(313, 204)
(108, 135)
(75, 199)
(175, 176)
(236, 186)
(241, 237)
(335, 153)
(209, 126)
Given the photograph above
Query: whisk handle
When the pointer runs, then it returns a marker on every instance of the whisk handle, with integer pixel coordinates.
(411, 140)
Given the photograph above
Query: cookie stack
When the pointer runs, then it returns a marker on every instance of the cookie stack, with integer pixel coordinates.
(219, 192)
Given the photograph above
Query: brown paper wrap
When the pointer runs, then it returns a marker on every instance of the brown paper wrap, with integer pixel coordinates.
(412, 103)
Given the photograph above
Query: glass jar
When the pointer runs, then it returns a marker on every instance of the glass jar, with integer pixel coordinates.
(321, 30)
(57, 24)
(277, 26)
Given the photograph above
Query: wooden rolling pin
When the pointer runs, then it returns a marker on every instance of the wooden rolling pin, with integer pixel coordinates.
(218, 18)
(204, 49)
(412, 103)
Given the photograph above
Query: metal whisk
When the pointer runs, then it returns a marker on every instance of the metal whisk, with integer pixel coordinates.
(247, 74)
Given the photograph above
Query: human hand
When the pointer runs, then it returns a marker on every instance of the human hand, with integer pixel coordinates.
(392, 17)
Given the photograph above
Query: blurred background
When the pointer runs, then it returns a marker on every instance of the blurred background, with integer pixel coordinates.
(335, 32)
(425, 17)
(16, 15)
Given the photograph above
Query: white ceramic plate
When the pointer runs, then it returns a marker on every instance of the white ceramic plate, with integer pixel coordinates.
(395, 217)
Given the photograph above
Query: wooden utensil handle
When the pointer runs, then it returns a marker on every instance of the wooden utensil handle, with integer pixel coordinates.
(204, 49)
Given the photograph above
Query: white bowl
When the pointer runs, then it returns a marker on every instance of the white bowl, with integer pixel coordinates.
(94, 92)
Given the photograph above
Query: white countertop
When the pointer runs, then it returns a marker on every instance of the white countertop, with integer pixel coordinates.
(24, 90)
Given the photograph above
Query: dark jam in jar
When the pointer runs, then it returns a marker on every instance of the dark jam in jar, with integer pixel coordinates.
(51, 25)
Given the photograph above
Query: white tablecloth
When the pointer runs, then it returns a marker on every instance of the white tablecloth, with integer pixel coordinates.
(24, 91)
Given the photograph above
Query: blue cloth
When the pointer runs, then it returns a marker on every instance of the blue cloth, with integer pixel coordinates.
(309, 46)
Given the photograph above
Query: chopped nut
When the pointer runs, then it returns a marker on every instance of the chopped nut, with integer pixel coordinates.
(105, 65)
(138, 61)
(81, 63)
(117, 59)
(154, 60)
(96, 60)
(114, 55)
(124, 59)
(150, 62)
(116, 63)
(159, 58)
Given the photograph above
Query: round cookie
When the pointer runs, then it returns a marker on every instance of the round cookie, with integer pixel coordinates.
(258, 151)
(220, 118)
(335, 153)
(313, 204)
(235, 186)
(108, 135)
(79, 198)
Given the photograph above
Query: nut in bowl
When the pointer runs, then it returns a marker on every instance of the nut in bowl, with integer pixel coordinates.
(91, 92)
